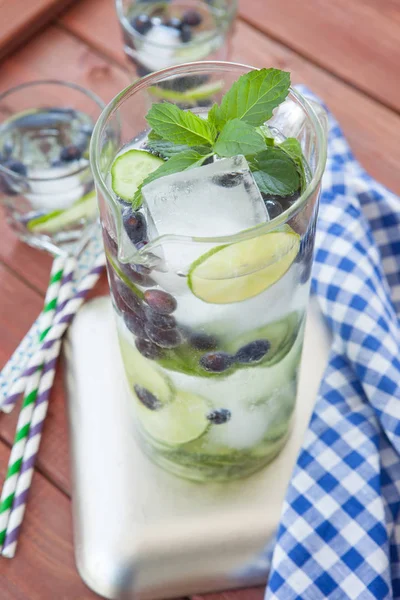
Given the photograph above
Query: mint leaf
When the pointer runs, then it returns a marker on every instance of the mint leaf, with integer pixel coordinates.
(169, 149)
(253, 97)
(166, 149)
(293, 149)
(275, 172)
(179, 126)
(185, 160)
(154, 136)
(239, 138)
(213, 116)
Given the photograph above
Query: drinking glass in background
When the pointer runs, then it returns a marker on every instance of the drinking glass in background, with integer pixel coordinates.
(159, 34)
(46, 184)
(211, 358)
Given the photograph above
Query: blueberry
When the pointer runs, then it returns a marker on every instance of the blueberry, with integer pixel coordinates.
(7, 150)
(134, 323)
(159, 320)
(174, 22)
(160, 301)
(186, 34)
(16, 166)
(252, 352)
(142, 24)
(287, 201)
(274, 208)
(135, 225)
(227, 180)
(203, 341)
(219, 416)
(135, 275)
(131, 300)
(148, 349)
(70, 153)
(147, 398)
(192, 18)
(165, 338)
(216, 362)
(57, 163)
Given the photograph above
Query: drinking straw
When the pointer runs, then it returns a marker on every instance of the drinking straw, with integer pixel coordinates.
(45, 364)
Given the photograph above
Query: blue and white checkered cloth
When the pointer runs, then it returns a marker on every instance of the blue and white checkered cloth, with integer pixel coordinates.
(339, 534)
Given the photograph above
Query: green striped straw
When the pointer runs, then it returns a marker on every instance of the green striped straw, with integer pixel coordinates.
(62, 267)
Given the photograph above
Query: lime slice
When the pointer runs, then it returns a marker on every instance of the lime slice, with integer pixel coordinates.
(84, 209)
(178, 422)
(191, 96)
(143, 372)
(130, 169)
(236, 272)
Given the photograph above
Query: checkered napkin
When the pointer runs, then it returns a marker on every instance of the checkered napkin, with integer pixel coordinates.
(339, 534)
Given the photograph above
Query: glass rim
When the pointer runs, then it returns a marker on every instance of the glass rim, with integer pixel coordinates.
(192, 44)
(70, 84)
(158, 76)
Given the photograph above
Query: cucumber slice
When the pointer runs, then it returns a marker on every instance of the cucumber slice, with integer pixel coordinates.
(130, 169)
(84, 209)
(240, 271)
(142, 371)
(178, 422)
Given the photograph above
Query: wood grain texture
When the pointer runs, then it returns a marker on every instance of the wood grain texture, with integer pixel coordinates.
(372, 129)
(256, 593)
(356, 40)
(86, 47)
(53, 460)
(20, 20)
(84, 66)
(44, 567)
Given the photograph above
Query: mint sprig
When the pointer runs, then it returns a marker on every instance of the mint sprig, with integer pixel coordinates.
(253, 97)
(235, 127)
(180, 126)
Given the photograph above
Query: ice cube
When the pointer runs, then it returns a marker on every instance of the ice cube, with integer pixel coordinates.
(219, 199)
(158, 48)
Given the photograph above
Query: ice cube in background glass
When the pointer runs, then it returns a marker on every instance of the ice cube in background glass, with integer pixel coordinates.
(54, 189)
(219, 199)
(158, 48)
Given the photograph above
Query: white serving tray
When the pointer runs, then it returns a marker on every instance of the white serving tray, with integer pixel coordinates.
(140, 532)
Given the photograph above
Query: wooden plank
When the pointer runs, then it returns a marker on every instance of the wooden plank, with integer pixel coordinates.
(19, 306)
(44, 567)
(357, 40)
(372, 129)
(20, 20)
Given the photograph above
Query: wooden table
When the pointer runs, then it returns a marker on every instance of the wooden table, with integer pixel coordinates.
(347, 52)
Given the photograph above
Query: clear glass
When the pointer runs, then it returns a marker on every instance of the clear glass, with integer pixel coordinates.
(160, 34)
(46, 184)
(212, 425)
